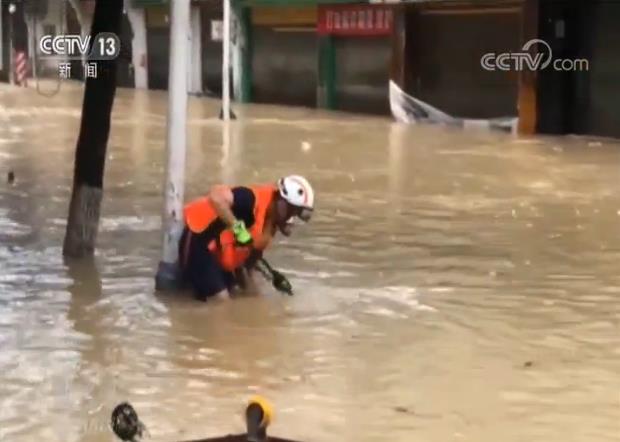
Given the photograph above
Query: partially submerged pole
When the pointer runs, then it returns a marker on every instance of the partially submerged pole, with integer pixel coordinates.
(167, 272)
(226, 62)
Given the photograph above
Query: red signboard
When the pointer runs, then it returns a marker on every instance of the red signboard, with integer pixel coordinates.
(355, 20)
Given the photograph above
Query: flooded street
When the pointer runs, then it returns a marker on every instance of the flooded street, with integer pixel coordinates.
(452, 286)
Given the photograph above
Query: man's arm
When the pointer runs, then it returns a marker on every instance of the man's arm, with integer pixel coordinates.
(222, 199)
(233, 204)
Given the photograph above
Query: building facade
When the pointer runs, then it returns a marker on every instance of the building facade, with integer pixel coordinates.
(438, 47)
(584, 99)
(333, 56)
(354, 56)
(346, 55)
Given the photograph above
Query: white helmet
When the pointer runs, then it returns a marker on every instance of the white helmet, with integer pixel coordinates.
(298, 192)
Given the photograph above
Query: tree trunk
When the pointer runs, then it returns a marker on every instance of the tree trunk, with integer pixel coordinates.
(90, 152)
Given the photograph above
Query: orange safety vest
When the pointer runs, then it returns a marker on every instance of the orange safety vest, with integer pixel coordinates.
(200, 214)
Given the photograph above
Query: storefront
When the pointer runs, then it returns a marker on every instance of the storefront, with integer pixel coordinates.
(355, 56)
(581, 97)
(444, 44)
(284, 55)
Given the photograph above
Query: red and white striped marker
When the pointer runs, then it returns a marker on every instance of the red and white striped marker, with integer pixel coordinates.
(21, 69)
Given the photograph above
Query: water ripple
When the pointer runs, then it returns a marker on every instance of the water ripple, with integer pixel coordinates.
(451, 286)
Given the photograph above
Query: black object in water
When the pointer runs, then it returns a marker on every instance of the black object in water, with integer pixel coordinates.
(127, 426)
(125, 423)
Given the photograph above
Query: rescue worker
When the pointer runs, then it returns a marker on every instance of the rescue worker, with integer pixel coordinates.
(227, 231)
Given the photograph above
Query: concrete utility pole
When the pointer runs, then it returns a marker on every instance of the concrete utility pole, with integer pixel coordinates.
(167, 273)
(226, 62)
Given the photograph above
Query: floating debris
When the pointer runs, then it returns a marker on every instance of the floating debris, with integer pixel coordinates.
(125, 423)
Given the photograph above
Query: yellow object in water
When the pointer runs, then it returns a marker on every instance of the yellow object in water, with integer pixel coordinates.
(266, 407)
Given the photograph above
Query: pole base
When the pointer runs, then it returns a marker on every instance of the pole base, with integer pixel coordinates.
(232, 115)
(258, 416)
(255, 431)
(168, 277)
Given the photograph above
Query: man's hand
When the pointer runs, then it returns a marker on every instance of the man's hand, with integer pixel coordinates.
(242, 235)
(281, 284)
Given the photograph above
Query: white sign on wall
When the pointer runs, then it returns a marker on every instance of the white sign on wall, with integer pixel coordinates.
(217, 30)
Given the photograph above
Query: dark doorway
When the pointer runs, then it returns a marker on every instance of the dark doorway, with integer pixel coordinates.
(583, 100)
(602, 117)
(211, 50)
(444, 54)
(158, 46)
(125, 77)
(363, 74)
(158, 57)
(6, 48)
(562, 96)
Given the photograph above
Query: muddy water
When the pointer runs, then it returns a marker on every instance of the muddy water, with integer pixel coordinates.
(452, 287)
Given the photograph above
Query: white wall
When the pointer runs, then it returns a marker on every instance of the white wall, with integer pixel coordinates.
(238, 44)
(194, 73)
(30, 26)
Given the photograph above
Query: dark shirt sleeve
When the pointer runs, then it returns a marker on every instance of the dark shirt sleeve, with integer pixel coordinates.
(243, 205)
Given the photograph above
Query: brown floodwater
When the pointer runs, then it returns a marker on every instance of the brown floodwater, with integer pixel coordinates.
(453, 286)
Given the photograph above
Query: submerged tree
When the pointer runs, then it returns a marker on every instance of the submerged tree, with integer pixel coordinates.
(90, 152)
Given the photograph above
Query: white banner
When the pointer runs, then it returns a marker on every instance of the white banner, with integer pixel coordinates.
(217, 30)
(408, 109)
